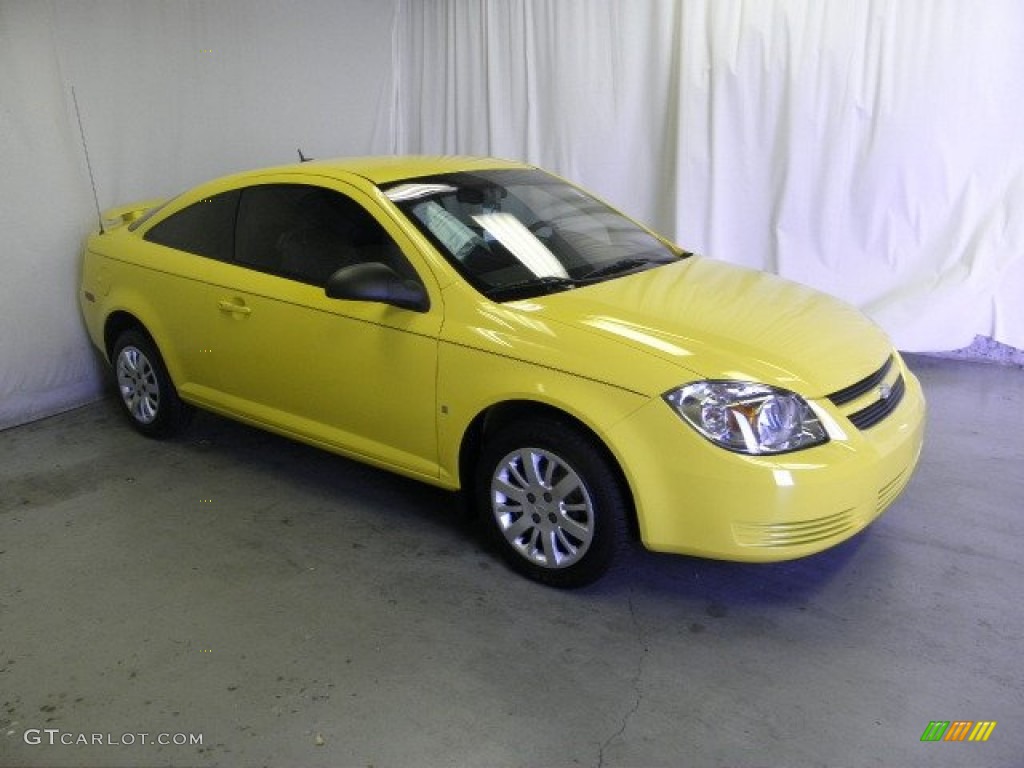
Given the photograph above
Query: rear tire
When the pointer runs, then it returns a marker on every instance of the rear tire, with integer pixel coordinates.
(550, 501)
(145, 388)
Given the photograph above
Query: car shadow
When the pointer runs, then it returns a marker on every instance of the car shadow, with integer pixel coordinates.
(323, 475)
(724, 583)
(332, 480)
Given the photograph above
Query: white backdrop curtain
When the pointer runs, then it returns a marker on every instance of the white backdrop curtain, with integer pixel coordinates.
(171, 94)
(872, 149)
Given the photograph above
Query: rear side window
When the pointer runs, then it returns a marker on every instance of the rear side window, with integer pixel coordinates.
(206, 228)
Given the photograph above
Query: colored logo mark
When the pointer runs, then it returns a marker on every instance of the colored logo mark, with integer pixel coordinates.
(958, 730)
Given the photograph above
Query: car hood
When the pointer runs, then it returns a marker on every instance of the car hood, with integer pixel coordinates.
(719, 320)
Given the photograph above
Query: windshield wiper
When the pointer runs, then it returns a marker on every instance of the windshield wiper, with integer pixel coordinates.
(545, 284)
(552, 283)
(617, 267)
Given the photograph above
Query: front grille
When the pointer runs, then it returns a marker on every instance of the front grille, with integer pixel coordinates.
(862, 387)
(888, 386)
(878, 410)
(794, 534)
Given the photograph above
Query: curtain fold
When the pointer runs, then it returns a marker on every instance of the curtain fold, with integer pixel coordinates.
(871, 149)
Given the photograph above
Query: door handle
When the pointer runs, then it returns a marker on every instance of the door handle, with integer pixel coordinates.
(230, 306)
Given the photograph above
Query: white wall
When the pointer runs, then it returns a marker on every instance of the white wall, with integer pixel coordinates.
(171, 94)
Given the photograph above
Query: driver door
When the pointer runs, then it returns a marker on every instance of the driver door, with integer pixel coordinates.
(355, 377)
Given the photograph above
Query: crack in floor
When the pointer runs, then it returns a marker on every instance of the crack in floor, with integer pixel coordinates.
(637, 688)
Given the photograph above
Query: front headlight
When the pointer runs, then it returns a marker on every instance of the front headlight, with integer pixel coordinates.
(747, 417)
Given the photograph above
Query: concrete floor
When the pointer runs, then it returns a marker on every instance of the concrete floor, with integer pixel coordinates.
(295, 608)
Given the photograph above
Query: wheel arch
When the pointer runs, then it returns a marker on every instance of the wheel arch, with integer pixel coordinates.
(117, 323)
(121, 320)
(495, 416)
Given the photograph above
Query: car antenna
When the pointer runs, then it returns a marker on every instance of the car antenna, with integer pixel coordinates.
(302, 157)
(92, 180)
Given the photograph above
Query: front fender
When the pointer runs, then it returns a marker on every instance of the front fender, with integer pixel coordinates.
(472, 381)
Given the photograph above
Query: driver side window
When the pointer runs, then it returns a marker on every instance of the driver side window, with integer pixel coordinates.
(308, 233)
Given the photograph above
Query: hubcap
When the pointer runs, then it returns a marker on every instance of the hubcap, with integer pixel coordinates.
(542, 508)
(136, 379)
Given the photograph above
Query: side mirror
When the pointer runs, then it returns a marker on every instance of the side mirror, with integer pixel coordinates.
(373, 281)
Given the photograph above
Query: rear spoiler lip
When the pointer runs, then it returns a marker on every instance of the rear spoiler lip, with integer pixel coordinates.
(115, 218)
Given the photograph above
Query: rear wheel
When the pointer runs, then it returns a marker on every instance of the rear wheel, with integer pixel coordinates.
(550, 501)
(145, 387)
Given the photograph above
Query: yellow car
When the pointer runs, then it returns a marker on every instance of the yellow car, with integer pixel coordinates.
(484, 326)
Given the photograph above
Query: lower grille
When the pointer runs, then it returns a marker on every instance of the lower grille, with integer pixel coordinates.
(796, 533)
(888, 493)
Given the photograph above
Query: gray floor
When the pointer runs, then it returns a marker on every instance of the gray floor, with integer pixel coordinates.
(295, 608)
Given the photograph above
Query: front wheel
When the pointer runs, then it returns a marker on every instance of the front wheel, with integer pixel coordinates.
(551, 501)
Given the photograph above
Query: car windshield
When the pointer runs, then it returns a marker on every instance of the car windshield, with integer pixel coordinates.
(519, 233)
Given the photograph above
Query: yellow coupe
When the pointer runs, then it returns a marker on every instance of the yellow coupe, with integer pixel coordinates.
(485, 326)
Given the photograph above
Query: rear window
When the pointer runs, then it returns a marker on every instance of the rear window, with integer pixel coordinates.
(206, 228)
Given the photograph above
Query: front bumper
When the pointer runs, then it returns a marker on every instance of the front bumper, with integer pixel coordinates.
(693, 497)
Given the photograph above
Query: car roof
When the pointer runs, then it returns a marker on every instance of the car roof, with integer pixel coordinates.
(379, 170)
(383, 169)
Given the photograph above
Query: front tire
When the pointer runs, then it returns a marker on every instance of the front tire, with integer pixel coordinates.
(550, 500)
(145, 388)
